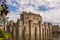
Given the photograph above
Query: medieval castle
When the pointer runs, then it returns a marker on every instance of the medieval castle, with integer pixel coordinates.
(30, 24)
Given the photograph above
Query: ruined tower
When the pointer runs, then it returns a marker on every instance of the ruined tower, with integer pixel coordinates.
(30, 24)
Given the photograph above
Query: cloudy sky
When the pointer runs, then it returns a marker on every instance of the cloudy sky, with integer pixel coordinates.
(48, 9)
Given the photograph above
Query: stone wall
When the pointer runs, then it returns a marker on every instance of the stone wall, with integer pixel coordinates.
(28, 25)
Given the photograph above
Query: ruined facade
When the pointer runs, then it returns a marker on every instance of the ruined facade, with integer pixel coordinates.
(11, 28)
(46, 31)
(28, 25)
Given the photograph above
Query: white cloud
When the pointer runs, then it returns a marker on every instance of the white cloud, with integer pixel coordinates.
(8, 1)
(13, 16)
(14, 4)
(48, 16)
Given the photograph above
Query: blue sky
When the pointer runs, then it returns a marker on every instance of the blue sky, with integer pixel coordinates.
(48, 9)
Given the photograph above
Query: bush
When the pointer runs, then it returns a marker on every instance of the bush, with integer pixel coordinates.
(4, 35)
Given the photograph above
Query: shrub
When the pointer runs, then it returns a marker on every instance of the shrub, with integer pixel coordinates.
(4, 35)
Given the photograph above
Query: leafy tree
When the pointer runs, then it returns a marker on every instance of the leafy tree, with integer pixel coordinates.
(3, 19)
(3, 13)
(3, 8)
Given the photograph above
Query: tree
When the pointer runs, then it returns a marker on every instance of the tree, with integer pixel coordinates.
(3, 13)
(3, 19)
(3, 8)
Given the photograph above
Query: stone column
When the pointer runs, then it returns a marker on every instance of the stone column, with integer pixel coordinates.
(50, 30)
(45, 31)
(39, 30)
(23, 33)
(29, 29)
(35, 33)
(17, 31)
(12, 32)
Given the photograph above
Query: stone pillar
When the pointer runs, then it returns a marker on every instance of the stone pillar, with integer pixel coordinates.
(29, 29)
(8, 30)
(17, 32)
(20, 32)
(12, 32)
(23, 33)
(45, 31)
(50, 30)
(39, 30)
(32, 31)
(35, 33)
